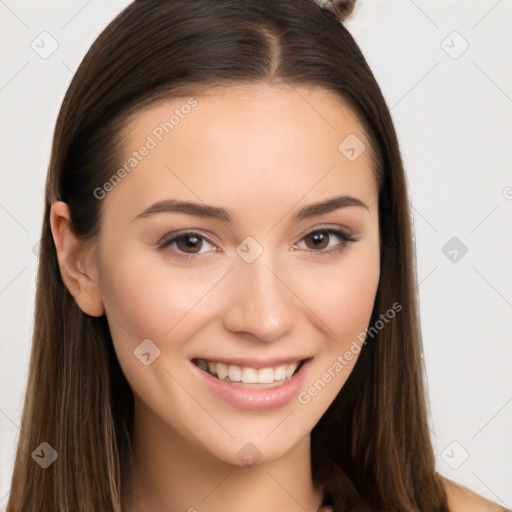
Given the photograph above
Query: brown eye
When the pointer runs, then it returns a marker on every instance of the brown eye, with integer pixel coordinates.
(320, 240)
(189, 243)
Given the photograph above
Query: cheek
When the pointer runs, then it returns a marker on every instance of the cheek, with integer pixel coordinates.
(344, 303)
(144, 300)
(343, 296)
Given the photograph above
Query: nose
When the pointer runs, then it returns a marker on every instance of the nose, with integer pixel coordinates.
(260, 301)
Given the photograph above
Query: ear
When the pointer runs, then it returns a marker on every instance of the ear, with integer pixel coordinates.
(78, 269)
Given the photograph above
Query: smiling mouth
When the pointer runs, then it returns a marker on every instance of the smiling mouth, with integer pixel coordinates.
(246, 375)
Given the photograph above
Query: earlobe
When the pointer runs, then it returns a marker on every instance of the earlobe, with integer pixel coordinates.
(76, 266)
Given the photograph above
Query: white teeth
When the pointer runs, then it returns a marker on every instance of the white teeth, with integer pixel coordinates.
(280, 372)
(290, 369)
(266, 375)
(222, 371)
(249, 375)
(234, 373)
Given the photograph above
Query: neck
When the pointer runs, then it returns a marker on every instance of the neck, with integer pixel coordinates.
(173, 474)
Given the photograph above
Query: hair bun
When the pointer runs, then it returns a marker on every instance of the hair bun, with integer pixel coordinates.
(341, 9)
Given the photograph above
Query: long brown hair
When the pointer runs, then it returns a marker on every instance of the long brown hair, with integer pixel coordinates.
(371, 450)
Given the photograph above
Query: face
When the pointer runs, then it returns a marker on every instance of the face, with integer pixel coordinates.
(236, 268)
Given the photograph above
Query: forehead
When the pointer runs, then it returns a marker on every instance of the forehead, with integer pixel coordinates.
(261, 143)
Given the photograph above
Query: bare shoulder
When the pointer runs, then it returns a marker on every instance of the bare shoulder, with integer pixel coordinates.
(462, 499)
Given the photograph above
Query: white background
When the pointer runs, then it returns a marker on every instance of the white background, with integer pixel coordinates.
(453, 114)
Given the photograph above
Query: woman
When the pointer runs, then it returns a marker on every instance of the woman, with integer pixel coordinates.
(226, 314)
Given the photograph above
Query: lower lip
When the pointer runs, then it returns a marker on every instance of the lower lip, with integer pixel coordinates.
(255, 399)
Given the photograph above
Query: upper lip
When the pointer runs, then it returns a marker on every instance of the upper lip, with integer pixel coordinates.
(254, 362)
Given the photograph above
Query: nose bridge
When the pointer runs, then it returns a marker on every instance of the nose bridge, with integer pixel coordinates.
(260, 303)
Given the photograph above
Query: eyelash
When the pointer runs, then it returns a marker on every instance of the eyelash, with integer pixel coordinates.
(346, 238)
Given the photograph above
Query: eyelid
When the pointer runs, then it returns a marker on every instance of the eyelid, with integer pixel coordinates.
(206, 235)
(326, 227)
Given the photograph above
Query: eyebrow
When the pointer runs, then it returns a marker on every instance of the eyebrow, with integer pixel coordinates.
(228, 216)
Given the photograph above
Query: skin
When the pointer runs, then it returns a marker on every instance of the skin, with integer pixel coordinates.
(263, 153)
